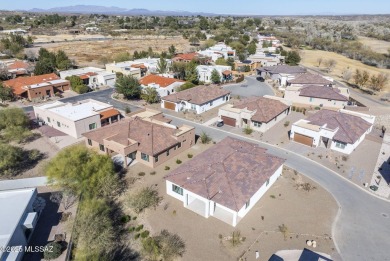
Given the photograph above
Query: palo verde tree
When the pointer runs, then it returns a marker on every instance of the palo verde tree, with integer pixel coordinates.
(215, 77)
(150, 95)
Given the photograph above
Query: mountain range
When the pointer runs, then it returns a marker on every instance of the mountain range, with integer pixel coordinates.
(95, 9)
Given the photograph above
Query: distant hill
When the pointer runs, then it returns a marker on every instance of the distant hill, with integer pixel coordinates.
(95, 9)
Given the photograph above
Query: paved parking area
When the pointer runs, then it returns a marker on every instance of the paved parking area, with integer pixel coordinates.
(250, 87)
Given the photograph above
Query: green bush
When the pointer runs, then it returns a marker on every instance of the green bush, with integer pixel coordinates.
(139, 228)
(131, 229)
(52, 251)
(204, 138)
(247, 130)
(189, 155)
(127, 109)
(135, 217)
(141, 174)
(152, 173)
(178, 161)
(317, 108)
(167, 168)
(286, 123)
(145, 234)
(136, 236)
(125, 219)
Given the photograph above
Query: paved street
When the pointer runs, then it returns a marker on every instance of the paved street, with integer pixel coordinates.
(362, 229)
(250, 87)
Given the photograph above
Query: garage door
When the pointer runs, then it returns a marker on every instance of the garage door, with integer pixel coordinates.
(229, 121)
(169, 105)
(303, 139)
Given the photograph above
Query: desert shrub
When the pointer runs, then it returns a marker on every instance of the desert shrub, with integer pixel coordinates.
(248, 130)
(125, 219)
(286, 123)
(167, 168)
(145, 234)
(127, 109)
(145, 198)
(178, 161)
(152, 173)
(235, 238)
(189, 155)
(272, 196)
(205, 138)
(284, 230)
(317, 108)
(52, 251)
(141, 174)
(139, 228)
(136, 236)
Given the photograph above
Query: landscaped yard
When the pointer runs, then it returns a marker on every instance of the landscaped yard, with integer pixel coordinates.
(208, 239)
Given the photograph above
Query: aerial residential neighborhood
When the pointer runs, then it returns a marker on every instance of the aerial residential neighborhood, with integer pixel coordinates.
(237, 131)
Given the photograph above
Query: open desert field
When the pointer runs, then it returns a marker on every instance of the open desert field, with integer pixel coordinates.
(93, 53)
(309, 59)
(376, 45)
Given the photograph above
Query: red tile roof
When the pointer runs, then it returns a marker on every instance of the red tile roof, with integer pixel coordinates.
(266, 109)
(197, 95)
(17, 84)
(186, 56)
(309, 78)
(162, 81)
(229, 173)
(350, 127)
(87, 75)
(18, 65)
(109, 113)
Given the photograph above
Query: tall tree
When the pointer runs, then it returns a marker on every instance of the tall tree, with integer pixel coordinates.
(172, 50)
(252, 48)
(179, 69)
(128, 86)
(191, 74)
(215, 77)
(6, 93)
(162, 65)
(293, 58)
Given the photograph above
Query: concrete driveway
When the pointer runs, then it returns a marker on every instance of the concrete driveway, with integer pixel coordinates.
(250, 87)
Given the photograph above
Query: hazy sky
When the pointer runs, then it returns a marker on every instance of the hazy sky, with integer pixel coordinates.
(255, 7)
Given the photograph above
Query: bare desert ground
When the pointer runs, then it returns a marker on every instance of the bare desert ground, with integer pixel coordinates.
(376, 45)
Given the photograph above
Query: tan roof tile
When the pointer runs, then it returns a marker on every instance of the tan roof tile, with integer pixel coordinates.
(198, 95)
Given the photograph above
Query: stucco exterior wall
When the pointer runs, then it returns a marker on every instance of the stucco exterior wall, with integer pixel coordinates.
(293, 95)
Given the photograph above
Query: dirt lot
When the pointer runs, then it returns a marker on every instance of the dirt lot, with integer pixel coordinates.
(376, 45)
(206, 238)
(90, 53)
(309, 59)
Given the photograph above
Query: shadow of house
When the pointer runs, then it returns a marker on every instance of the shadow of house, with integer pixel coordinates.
(384, 170)
(48, 219)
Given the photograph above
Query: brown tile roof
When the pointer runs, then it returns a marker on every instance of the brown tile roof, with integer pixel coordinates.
(140, 65)
(351, 127)
(322, 92)
(87, 75)
(197, 95)
(18, 65)
(17, 84)
(282, 69)
(162, 81)
(266, 109)
(309, 78)
(152, 138)
(186, 56)
(229, 173)
(109, 113)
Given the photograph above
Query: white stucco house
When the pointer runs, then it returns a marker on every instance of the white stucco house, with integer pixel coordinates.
(280, 73)
(318, 96)
(220, 50)
(75, 119)
(18, 220)
(205, 71)
(340, 130)
(257, 113)
(197, 99)
(225, 181)
(164, 85)
(91, 76)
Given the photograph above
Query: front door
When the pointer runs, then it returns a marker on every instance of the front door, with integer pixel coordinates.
(48, 93)
(132, 155)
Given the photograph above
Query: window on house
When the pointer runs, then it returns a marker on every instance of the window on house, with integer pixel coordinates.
(92, 126)
(58, 124)
(89, 142)
(174, 148)
(193, 107)
(145, 157)
(177, 189)
(267, 182)
(101, 147)
(311, 99)
(257, 124)
(156, 159)
(179, 145)
(48, 119)
(184, 141)
(340, 145)
(247, 203)
(167, 152)
(211, 103)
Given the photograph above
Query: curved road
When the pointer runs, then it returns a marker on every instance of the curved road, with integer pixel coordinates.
(362, 229)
